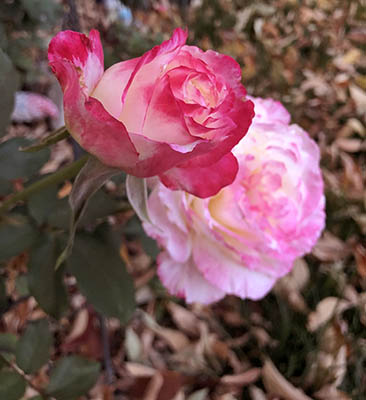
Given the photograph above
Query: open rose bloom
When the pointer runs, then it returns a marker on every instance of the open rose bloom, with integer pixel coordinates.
(244, 238)
(175, 112)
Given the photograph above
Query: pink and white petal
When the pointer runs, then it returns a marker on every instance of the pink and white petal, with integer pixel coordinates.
(92, 126)
(185, 281)
(202, 181)
(167, 228)
(221, 65)
(31, 106)
(164, 118)
(102, 135)
(270, 111)
(112, 84)
(221, 223)
(145, 75)
(156, 157)
(241, 114)
(174, 201)
(85, 54)
(219, 266)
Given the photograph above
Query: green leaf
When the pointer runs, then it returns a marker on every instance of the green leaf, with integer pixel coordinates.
(8, 342)
(21, 285)
(3, 38)
(91, 177)
(18, 51)
(100, 206)
(16, 235)
(15, 164)
(137, 195)
(46, 284)
(44, 11)
(134, 228)
(8, 86)
(72, 377)
(33, 348)
(102, 277)
(47, 141)
(12, 385)
(149, 245)
(46, 208)
(6, 187)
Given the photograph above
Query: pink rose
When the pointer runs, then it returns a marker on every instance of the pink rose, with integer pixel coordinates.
(175, 112)
(244, 238)
(31, 107)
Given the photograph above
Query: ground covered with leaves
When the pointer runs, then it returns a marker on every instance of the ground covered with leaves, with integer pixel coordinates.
(306, 339)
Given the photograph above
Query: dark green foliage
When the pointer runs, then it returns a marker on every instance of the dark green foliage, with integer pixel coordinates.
(12, 385)
(134, 230)
(16, 235)
(33, 347)
(102, 277)
(3, 297)
(8, 86)
(72, 377)
(8, 343)
(5, 187)
(16, 164)
(46, 284)
(46, 208)
(22, 26)
(89, 180)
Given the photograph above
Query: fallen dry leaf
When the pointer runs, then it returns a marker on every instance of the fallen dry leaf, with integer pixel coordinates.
(289, 287)
(359, 97)
(184, 319)
(360, 255)
(330, 392)
(330, 248)
(325, 310)
(244, 379)
(256, 393)
(175, 339)
(276, 384)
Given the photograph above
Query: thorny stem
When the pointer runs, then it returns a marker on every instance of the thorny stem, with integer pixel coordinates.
(106, 350)
(67, 172)
(54, 137)
(25, 377)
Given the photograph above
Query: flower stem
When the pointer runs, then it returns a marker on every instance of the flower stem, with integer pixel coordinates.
(67, 172)
(53, 138)
(16, 369)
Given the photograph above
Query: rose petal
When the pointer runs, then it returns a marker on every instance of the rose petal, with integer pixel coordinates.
(184, 280)
(270, 111)
(85, 54)
(114, 81)
(139, 88)
(221, 65)
(85, 118)
(202, 181)
(221, 269)
(167, 225)
(164, 121)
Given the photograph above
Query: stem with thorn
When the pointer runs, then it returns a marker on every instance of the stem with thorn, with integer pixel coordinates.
(16, 369)
(68, 172)
(106, 350)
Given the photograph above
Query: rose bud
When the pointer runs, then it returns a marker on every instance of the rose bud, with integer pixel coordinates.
(175, 112)
(248, 235)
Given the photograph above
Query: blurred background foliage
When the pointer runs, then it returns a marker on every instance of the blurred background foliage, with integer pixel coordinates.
(307, 339)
